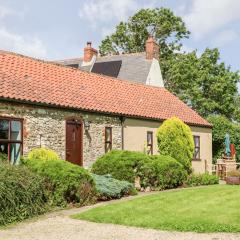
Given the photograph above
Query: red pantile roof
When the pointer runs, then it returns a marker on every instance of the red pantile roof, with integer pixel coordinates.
(26, 79)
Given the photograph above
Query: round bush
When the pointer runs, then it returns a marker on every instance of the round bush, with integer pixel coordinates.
(122, 165)
(67, 183)
(43, 154)
(111, 188)
(22, 194)
(175, 139)
(162, 172)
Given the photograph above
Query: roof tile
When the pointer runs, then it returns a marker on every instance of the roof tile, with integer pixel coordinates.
(26, 79)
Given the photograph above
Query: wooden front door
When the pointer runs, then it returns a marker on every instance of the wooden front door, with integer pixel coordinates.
(74, 142)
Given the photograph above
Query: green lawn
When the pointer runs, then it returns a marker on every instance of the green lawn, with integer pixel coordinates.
(207, 209)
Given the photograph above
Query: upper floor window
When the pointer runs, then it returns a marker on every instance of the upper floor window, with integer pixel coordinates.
(11, 138)
(149, 142)
(108, 139)
(197, 147)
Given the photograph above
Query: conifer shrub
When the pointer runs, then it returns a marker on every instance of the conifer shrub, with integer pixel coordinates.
(66, 182)
(111, 188)
(175, 139)
(122, 165)
(22, 194)
(43, 154)
(157, 172)
(162, 172)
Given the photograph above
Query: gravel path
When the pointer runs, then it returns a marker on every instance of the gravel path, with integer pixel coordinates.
(59, 226)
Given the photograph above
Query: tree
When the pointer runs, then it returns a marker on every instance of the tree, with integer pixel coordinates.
(175, 139)
(221, 126)
(202, 82)
(131, 36)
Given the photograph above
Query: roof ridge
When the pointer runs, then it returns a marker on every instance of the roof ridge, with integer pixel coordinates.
(78, 69)
(123, 54)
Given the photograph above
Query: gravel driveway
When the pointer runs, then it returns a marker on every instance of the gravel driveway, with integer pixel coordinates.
(59, 226)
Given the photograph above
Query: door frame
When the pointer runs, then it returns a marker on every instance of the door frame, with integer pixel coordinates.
(73, 119)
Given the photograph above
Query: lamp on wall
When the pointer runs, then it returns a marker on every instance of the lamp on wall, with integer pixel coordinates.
(86, 125)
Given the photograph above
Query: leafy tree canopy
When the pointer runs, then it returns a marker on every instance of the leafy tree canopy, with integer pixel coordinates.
(131, 36)
(202, 82)
(221, 126)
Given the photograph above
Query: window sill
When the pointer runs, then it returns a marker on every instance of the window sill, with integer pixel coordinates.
(197, 159)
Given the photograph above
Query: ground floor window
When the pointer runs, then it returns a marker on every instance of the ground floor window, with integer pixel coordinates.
(149, 142)
(197, 147)
(11, 138)
(108, 139)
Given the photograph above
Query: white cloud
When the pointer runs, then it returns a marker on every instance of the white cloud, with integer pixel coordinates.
(207, 16)
(30, 46)
(105, 11)
(11, 41)
(225, 37)
(4, 12)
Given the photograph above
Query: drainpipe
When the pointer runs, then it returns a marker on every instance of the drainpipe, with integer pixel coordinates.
(122, 119)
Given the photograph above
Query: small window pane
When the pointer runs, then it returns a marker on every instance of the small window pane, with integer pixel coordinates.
(15, 151)
(4, 126)
(196, 141)
(149, 138)
(4, 148)
(108, 134)
(16, 130)
(197, 153)
(108, 147)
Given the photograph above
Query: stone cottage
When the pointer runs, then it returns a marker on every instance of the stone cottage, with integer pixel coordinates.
(81, 115)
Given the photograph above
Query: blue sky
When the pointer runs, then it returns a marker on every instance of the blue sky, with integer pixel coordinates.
(58, 29)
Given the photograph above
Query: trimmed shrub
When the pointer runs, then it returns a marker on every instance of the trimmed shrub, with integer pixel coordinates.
(39, 154)
(122, 165)
(201, 179)
(111, 188)
(162, 172)
(67, 183)
(22, 194)
(175, 139)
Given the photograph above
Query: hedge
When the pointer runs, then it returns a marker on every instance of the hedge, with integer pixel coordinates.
(66, 182)
(162, 172)
(22, 194)
(122, 165)
(158, 172)
(111, 188)
(201, 179)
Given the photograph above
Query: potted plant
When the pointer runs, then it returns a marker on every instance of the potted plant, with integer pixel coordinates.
(233, 177)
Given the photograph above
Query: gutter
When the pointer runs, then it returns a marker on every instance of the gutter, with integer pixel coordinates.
(19, 101)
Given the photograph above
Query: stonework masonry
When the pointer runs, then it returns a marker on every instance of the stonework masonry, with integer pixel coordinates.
(46, 127)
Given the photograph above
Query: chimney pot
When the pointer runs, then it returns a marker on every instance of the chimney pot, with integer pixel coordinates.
(89, 52)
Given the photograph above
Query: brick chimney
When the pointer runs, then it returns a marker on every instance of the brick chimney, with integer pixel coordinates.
(89, 52)
(152, 48)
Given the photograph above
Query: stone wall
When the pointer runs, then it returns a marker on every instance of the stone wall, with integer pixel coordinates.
(46, 127)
